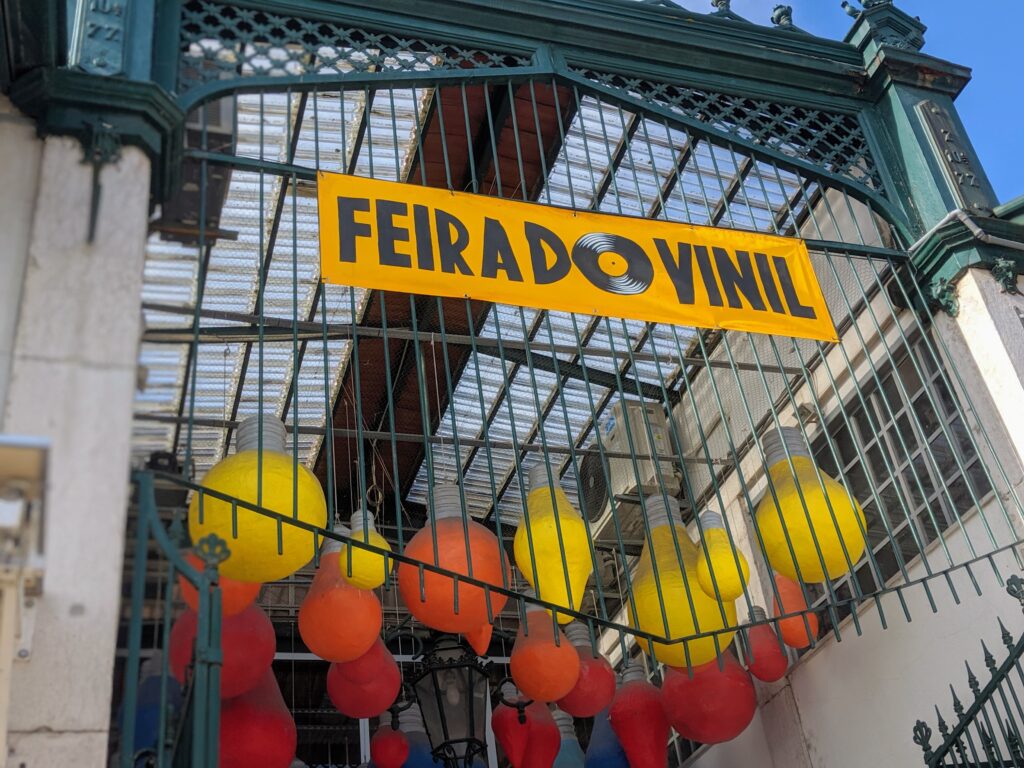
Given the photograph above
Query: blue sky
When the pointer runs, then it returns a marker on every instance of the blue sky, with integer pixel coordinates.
(985, 35)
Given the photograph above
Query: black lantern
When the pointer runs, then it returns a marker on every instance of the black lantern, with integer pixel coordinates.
(452, 690)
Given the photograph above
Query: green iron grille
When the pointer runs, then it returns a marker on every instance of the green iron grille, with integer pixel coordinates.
(833, 141)
(221, 41)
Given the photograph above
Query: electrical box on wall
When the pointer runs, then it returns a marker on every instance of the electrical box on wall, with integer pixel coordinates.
(639, 431)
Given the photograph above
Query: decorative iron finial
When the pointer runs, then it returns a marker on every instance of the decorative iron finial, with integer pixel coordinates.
(990, 660)
(922, 737)
(722, 6)
(849, 9)
(1005, 635)
(1015, 586)
(941, 722)
(782, 16)
(972, 681)
(212, 550)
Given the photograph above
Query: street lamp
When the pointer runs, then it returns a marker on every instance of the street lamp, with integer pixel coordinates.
(452, 690)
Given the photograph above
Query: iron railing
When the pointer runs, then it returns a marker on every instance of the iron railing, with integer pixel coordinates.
(987, 732)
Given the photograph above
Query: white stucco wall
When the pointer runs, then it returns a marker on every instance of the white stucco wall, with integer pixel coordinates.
(853, 703)
(72, 382)
(20, 152)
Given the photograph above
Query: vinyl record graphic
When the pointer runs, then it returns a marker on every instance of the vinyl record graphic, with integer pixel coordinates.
(639, 274)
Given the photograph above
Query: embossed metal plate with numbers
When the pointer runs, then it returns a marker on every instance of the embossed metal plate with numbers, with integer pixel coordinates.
(956, 162)
(99, 36)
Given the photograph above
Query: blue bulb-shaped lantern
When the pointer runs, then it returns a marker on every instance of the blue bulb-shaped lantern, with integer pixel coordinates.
(604, 750)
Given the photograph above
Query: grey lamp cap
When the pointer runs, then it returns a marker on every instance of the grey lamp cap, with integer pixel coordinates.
(662, 510)
(447, 501)
(564, 722)
(757, 613)
(356, 521)
(509, 692)
(577, 634)
(711, 520)
(275, 436)
(633, 672)
(410, 720)
(537, 476)
(776, 443)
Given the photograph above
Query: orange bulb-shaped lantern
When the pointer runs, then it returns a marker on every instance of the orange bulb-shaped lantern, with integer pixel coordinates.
(338, 622)
(766, 658)
(235, 596)
(543, 669)
(796, 633)
(596, 684)
(464, 547)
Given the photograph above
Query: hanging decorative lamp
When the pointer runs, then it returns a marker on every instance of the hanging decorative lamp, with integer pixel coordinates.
(451, 688)
(710, 704)
(337, 621)
(410, 722)
(389, 748)
(544, 664)
(256, 728)
(510, 725)
(461, 545)
(360, 567)
(235, 596)
(551, 545)
(367, 686)
(666, 603)
(722, 571)
(604, 749)
(595, 686)
(248, 644)
(809, 513)
(765, 654)
(797, 631)
(638, 719)
(570, 754)
(272, 479)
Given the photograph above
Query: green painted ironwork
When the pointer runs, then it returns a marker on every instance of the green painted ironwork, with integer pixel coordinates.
(187, 735)
(989, 731)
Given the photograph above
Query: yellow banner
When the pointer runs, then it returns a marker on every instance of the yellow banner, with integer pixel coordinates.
(414, 239)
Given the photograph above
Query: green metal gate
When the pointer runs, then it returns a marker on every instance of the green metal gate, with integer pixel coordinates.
(384, 394)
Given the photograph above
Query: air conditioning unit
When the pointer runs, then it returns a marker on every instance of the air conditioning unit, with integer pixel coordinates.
(632, 470)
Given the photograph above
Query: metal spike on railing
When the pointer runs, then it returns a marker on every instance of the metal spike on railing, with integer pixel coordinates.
(972, 680)
(958, 708)
(990, 660)
(943, 727)
(1005, 635)
(987, 745)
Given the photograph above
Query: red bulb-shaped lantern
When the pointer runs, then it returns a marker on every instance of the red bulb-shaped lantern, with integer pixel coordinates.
(712, 706)
(375, 687)
(338, 622)
(389, 748)
(543, 669)
(595, 686)
(545, 739)
(795, 632)
(766, 658)
(435, 604)
(247, 641)
(510, 730)
(256, 728)
(235, 596)
(638, 719)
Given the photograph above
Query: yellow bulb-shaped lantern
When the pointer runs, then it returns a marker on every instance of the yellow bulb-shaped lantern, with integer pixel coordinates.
(679, 596)
(826, 513)
(552, 539)
(255, 554)
(361, 567)
(719, 565)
